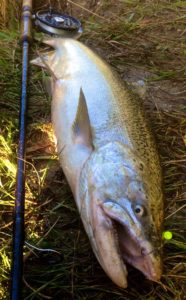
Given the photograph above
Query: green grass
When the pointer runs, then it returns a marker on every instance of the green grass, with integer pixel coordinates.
(145, 37)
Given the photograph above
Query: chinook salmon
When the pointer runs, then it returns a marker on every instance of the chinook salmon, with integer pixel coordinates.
(109, 159)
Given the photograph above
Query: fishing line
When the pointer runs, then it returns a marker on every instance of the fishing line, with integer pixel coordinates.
(41, 249)
(33, 246)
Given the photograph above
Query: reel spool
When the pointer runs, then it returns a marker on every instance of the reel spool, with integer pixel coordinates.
(57, 24)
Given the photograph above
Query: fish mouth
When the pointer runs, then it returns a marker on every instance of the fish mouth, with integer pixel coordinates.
(139, 254)
(133, 246)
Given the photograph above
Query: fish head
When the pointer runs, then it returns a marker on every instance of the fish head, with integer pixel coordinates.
(123, 213)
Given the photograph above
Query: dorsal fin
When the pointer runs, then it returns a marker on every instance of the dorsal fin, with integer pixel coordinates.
(81, 129)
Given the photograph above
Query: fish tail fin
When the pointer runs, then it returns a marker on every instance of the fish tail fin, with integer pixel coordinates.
(45, 61)
(50, 42)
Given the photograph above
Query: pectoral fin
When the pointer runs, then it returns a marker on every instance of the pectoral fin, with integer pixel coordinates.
(81, 129)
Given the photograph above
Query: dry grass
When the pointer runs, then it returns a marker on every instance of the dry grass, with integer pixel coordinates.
(143, 40)
(9, 13)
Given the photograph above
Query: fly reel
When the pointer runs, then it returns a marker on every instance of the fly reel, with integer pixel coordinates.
(57, 24)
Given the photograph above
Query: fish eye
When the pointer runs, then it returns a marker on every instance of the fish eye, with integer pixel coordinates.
(139, 210)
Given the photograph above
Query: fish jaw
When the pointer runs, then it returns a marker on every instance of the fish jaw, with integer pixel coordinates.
(106, 247)
(134, 246)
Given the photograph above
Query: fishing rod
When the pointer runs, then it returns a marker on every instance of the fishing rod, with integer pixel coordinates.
(55, 24)
(18, 231)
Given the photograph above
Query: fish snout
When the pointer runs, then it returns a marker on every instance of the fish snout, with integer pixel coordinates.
(150, 263)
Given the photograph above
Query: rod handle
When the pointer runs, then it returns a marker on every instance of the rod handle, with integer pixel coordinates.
(26, 21)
